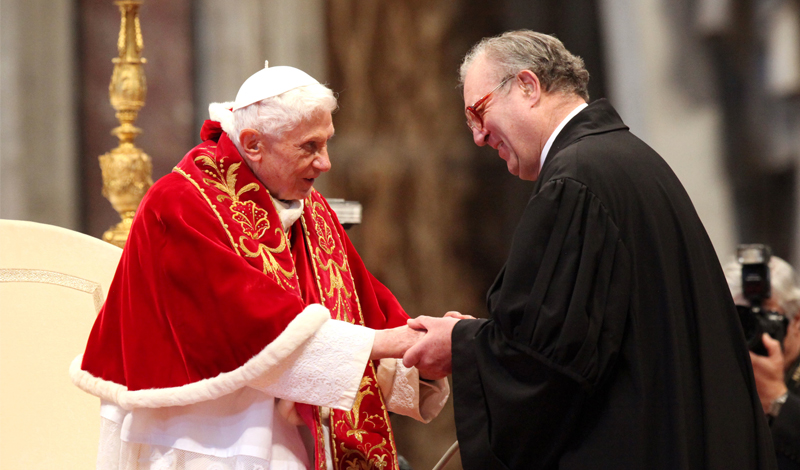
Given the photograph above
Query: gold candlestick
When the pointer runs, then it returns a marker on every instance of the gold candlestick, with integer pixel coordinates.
(126, 169)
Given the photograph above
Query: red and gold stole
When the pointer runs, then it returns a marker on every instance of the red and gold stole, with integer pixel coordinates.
(362, 437)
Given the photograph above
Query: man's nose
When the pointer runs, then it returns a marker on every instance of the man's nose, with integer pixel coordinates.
(323, 161)
(479, 136)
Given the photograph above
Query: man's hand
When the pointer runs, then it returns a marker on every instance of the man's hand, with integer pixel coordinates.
(432, 354)
(768, 372)
(394, 342)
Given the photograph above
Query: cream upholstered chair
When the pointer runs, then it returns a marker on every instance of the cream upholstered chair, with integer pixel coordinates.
(52, 284)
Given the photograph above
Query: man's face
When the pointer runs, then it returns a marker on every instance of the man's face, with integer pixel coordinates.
(290, 164)
(509, 124)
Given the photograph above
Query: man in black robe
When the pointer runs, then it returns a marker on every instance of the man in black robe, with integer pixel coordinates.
(612, 342)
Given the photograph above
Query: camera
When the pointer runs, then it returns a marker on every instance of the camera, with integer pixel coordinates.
(756, 289)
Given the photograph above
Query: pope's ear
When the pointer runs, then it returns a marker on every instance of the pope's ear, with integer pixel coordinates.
(251, 144)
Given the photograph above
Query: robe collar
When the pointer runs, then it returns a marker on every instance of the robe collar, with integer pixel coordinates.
(554, 135)
(597, 118)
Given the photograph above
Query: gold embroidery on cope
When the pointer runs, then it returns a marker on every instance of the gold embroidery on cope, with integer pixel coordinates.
(365, 455)
(213, 207)
(361, 437)
(271, 266)
(337, 288)
(252, 219)
(326, 241)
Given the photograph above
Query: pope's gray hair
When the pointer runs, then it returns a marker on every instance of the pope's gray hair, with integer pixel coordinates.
(278, 114)
(512, 52)
(783, 280)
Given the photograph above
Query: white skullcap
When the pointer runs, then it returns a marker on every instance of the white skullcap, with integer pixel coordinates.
(269, 82)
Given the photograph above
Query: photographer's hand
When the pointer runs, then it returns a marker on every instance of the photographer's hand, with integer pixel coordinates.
(768, 372)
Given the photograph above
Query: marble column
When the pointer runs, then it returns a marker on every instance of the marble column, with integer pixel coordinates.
(657, 79)
(38, 158)
(233, 39)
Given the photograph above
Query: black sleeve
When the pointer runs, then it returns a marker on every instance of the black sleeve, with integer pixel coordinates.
(786, 434)
(558, 312)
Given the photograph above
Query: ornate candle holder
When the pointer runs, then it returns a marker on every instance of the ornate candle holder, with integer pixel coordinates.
(126, 169)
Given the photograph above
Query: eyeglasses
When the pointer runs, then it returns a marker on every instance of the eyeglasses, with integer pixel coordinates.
(474, 114)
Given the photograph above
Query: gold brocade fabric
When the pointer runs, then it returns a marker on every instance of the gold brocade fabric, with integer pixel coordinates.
(362, 437)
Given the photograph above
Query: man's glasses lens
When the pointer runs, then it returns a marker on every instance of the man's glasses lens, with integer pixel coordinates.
(474, 121)
(474, 118)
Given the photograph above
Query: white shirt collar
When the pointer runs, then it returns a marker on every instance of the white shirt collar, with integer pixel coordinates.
(553, 136)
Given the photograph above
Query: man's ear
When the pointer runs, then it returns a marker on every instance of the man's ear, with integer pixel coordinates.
(251, 144)
(530, 85)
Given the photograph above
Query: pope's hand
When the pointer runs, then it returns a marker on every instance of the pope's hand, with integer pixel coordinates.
(394, 342)
(431, 355)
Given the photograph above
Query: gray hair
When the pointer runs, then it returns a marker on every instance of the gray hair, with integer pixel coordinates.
(785, 290)
(278, 114)
(558, 69)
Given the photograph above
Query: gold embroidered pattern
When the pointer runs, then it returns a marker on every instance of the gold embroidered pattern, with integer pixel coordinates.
(354, 459)
(251, 218)
(361, 437)
(271, 266)
(326, 241)
(213, 207)
(337, 288)
(353, 418)
(365, 456)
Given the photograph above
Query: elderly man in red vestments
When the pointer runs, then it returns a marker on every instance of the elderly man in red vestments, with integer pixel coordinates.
(242, 330)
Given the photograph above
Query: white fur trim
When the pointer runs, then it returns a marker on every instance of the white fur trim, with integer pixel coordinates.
(267, 362)
(221, 112)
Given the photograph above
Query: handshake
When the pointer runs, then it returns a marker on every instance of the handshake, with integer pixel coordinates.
(424, 342)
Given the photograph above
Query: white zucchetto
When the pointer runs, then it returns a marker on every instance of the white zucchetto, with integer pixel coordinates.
(269, 82)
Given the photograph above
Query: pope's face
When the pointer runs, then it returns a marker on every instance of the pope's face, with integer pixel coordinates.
(289, 165)
(508, 125)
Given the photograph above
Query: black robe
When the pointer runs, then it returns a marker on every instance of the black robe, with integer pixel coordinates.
(613, 341)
